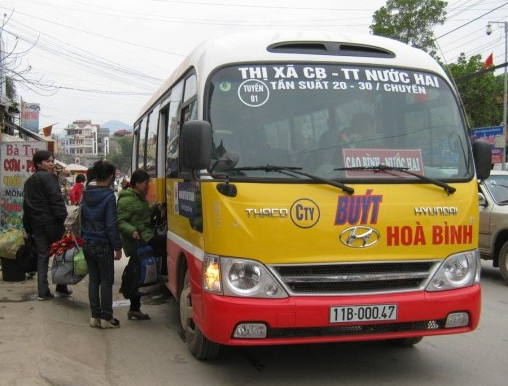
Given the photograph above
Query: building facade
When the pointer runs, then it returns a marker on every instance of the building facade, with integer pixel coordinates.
(86, 139)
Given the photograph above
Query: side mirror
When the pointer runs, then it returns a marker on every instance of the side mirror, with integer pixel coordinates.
(482, 201)
(196, 145)
(482, 154)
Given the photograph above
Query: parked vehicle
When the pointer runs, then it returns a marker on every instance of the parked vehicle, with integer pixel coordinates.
(493, 200)
(318, 189)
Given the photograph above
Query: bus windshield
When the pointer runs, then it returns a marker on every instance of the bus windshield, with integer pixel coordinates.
(336, 122)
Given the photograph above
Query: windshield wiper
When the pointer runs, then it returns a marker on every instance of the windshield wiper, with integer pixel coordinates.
(384, 168)
(297, 170)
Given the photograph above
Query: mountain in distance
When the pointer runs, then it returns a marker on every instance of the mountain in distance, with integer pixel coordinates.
(114, 125)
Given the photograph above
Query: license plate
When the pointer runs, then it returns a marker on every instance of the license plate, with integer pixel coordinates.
(367, 313)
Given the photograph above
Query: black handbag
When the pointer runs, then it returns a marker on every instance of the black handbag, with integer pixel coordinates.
(130, 279)
(26, 256)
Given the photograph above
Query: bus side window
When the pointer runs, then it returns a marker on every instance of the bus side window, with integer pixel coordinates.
(189, 112)
(173, 132)
(151, 143)
(142, 144)
(134, 149)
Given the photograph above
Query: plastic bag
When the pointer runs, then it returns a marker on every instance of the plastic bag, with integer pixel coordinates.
(148, 270)
(80, 267)
(141, 271)
(10, 241)
(62, 270)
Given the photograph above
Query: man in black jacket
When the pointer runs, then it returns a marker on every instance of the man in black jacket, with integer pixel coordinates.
(44, 213)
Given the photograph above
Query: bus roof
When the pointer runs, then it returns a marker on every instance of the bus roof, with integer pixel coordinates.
(294, 47)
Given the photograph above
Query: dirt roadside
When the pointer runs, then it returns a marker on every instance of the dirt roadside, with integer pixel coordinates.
(49, 342)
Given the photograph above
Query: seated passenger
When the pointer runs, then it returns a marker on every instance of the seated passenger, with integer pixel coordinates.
(330, 144)
(361, 132)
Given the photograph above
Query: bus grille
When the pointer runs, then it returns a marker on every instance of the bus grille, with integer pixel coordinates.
(365, 329)
(354, 278)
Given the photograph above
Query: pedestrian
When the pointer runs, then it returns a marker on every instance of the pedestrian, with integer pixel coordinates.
(101, 242)
(77, 189)
(125, 183)
(135, 223)
(62, 180)
(44, 213)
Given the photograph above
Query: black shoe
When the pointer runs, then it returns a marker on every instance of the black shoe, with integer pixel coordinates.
(111, 323)
(47, 296)
(137, 315)
(64, 291)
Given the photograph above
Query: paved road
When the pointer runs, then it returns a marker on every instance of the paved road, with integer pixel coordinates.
(50, 343)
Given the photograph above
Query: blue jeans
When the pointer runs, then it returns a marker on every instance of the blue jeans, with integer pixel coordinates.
(99, 258)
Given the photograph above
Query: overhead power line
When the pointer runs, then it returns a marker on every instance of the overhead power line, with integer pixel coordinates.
(469, 22)
(247, 5)
(85, 59)
(88, 32)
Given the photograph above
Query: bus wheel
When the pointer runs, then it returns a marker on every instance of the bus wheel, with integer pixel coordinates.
(503, 261)
(199, 346)
(405, 342)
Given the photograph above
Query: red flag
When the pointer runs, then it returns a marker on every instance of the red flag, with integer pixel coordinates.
(489, 61)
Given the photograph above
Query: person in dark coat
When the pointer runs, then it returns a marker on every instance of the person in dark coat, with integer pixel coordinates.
(44, 213)
(101, 242)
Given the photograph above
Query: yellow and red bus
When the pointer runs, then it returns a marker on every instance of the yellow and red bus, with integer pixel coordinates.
(319, 188)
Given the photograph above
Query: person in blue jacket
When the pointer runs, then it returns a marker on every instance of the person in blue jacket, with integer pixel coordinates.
(101, 242)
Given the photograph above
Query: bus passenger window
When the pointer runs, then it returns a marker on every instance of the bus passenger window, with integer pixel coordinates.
(142, 144)
(173, 131)
(151, 143)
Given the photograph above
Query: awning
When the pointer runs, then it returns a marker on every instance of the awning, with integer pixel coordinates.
(75, 168)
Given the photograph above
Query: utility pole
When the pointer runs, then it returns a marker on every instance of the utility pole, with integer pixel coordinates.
(505, 97)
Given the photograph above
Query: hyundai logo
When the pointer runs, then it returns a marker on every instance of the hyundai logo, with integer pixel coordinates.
(359, 237)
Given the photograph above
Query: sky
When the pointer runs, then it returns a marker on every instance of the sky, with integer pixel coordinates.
(102, 60)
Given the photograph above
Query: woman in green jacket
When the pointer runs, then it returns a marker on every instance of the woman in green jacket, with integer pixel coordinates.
(135, 224)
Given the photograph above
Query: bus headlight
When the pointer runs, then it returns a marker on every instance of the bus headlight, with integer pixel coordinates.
(457, 271)
(242, 277)
(239, 277)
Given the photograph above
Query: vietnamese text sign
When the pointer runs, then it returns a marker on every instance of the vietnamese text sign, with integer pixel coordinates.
(30, 116)
(371, 158)
(16, 166)
(488, 134)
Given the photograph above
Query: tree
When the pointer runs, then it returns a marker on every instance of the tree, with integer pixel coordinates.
(410, 21)
(10, 93)
(481, 95)
(122, 158)
(10, 89)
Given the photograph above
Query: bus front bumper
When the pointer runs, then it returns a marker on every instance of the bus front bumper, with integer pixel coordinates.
(307, 319)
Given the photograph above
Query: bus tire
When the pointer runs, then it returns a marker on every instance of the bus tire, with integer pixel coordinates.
(405, 342)
(199, 346)
(503, 261)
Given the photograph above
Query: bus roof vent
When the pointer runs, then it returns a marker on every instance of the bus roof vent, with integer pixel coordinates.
(330, 48)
